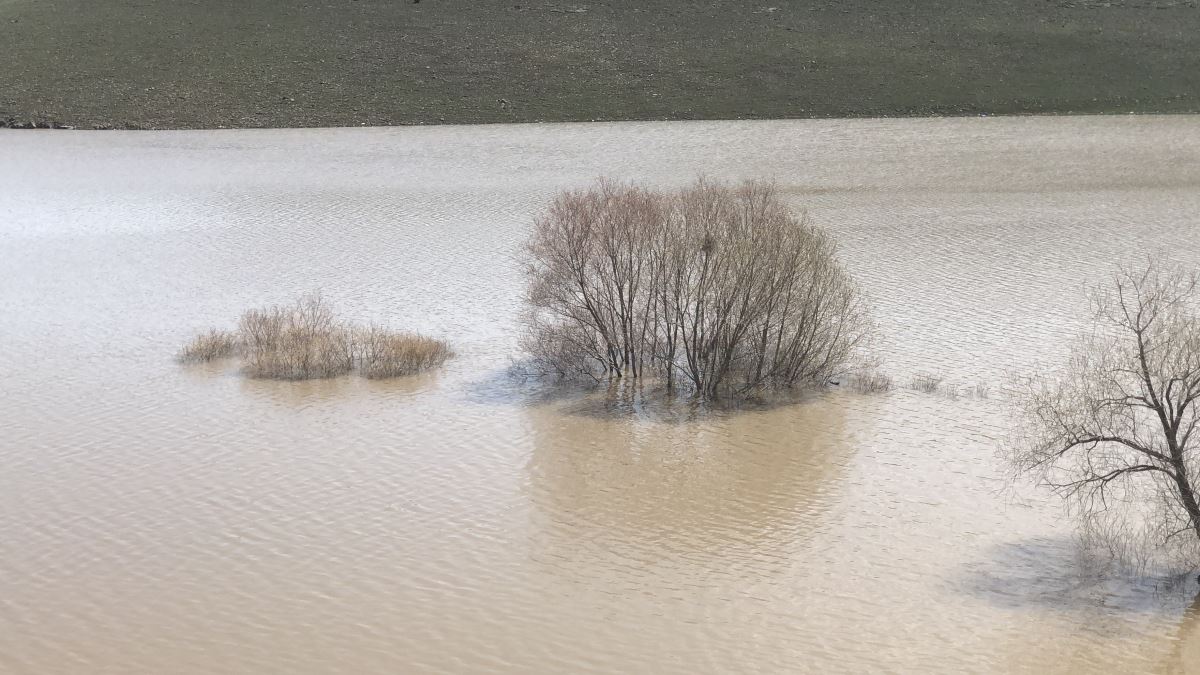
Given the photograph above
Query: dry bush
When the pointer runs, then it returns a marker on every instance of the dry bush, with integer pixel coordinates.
(871, 381)
(718, 287)
(215, 344)
(926, 383)
(382, 353)
(298, 342)
(306, 340)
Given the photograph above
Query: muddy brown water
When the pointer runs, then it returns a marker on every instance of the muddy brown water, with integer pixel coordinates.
(156, 518)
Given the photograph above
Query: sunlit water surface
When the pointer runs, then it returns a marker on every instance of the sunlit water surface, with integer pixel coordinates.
(164, 519)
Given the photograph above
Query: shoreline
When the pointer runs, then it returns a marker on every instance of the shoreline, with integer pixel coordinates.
(11, 124)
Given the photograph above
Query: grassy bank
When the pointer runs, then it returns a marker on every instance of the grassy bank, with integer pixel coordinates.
(292, 63)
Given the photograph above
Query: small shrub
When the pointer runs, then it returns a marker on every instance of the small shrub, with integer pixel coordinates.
(215, 344)
(300, 342)
(382, 353)
(307, 341)
(926, 383)
(871, 382)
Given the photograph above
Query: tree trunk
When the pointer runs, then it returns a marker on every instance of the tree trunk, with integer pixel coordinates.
(1187, 496)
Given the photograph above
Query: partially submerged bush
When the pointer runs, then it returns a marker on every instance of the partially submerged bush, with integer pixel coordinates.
(382, 353)
(721, 288)
(926, 383)
(307, 341)
(300, 342)
(871, 381)
(215, 344)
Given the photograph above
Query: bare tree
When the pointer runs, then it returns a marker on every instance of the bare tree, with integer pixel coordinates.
(589, 279)
(720, 287)
(1116, 430)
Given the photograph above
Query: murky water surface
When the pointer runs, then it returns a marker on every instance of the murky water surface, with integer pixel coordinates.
(162, 519)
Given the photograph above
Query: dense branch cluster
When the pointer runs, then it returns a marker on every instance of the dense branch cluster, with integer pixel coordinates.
(720, 288)
(1120, 425)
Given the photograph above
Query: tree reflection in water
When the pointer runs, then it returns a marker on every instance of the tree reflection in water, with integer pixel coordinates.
(666, 482)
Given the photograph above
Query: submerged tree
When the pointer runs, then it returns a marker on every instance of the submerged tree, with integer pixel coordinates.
(589, 279)
(719, 287)
(1117, 431)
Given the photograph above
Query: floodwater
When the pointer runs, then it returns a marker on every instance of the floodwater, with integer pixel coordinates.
(164, 519)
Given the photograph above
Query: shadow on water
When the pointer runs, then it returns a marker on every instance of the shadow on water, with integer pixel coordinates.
(1096, 595)
(1060, 574)
(622, 399)
(682, 483)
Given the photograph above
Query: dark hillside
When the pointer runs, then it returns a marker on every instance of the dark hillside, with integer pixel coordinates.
(287, 63)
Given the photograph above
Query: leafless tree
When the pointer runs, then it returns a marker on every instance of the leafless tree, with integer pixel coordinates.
(718, 286)
(1115, 431)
